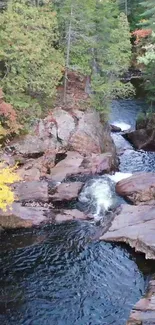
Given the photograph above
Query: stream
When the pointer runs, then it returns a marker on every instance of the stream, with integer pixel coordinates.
(61, 274)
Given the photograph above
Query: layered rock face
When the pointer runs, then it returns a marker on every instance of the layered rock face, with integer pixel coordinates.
(63, 145)
(82, 133)
(135, 224)
(138, 189)
(144, 135)
(143, 313)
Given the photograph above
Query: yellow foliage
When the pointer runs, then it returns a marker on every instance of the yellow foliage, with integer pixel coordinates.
(7, 177)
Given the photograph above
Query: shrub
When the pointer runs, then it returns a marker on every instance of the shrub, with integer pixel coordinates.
(7, 176)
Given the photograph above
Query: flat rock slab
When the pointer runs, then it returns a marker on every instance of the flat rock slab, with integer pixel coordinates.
(143, 313)
(67, 167)
(31, 146)
(89, 134)
(76, 164)
(31, 191)
(69, 215)
(66, 191)
(23, 217)
(139, 188)
(134, 225)
(142, 139)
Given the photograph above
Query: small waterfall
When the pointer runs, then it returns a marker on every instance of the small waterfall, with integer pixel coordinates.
(99, 197)
(122, 125)
(119, 176)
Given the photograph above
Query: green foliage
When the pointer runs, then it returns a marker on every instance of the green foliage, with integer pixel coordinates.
(95, 38)
(148, 58)
(33, 65)
(113, 55)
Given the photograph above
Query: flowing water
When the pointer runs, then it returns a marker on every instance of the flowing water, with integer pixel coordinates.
(62, 275)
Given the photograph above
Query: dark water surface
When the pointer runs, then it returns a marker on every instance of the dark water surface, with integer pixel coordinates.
(61, 275)
(126, 112)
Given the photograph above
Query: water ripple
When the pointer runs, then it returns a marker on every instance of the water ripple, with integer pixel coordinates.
(68, 279)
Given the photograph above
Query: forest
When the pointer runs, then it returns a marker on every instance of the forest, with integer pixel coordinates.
(43, 42)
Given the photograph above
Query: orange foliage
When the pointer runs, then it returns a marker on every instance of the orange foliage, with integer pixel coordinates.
(8, 116)
(140, 34)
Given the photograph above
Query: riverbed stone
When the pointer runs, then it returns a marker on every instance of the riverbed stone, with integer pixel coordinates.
(31, 146)
(66, 191)
(142, 139)
(115, 128)
(143, 313)
(34, 169)
(134, 225)
(69, 215)
(77, 164)
(19, 216)
(138, 188)
(35, 191)
(66, 167)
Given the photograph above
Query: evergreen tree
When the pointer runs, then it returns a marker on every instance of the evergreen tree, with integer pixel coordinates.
(33, 65)
(148, 59)
(113, 53)
(96, 43)
(76, 35)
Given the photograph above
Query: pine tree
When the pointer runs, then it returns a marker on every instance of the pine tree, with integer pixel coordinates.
(148, 59)
(76, 39)
(33, 65)
(97, 44)
(113, 53)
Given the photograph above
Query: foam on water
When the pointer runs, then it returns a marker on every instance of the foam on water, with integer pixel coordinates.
(119, 176)
(100, 195)
(122, 125)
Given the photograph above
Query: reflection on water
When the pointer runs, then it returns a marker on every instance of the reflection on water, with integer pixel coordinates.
(65, 277)
(62, 275)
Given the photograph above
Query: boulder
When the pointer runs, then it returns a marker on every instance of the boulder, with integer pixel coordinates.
(65, 124)
(142, 139)
(76, 164)
(144, 135)
(134, 225)
(30, 171)
(143, 313)
(99, 164)
(35, 191)
(69, 215)
(115, 128)
(79, 131)
(23, 217)
(91, 136)
(138, 188)
(33, 169)
(66, 167)
(66, 191)
(31, 146)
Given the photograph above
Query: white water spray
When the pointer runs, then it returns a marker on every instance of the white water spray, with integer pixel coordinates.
(119, 176)
(124, 126)
(99, 194)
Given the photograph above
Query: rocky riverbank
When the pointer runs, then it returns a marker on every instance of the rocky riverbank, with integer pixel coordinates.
(143, 312)
(62, 146)
(144, 135)
(135, 225)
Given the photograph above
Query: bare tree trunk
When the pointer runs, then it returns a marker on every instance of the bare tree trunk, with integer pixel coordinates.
(68, 54)
(126, 7)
